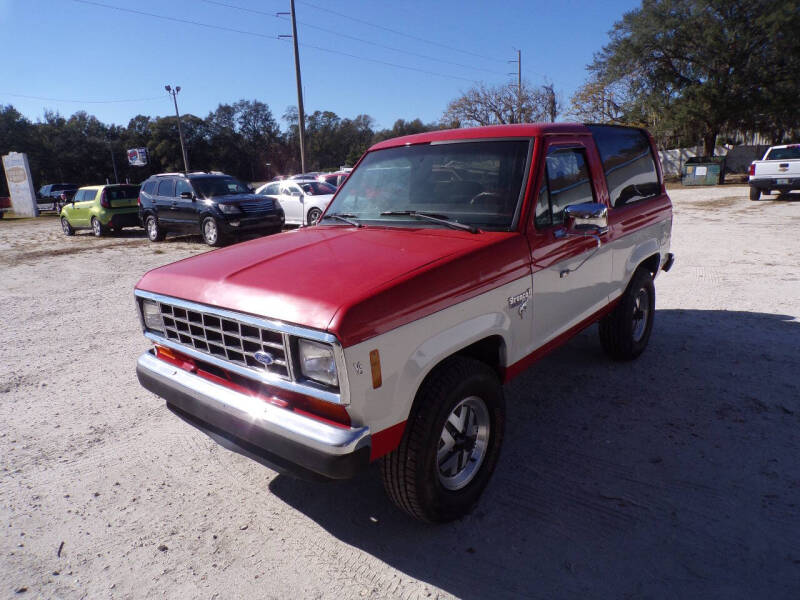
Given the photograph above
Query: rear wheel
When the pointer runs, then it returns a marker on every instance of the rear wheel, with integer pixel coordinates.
(625, 332)
(97, 228)
(451, 443)
(210, 231)
(313, 216)
(153, 229)
(66, 227)
(755, 193)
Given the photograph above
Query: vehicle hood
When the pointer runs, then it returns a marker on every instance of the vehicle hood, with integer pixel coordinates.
(352, 282)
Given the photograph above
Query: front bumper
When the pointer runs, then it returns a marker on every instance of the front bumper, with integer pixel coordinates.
(277, 437)
(231, 224)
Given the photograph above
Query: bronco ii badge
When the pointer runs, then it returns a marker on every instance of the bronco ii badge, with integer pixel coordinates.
(520, 300)
(265, 358)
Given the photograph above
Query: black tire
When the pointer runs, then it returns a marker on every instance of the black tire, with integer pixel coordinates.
(97, 228)
(313, 216)
(413, 474)
(66, 227)
(624, 332)
(209, 229)
(755, 193)
(153, 229)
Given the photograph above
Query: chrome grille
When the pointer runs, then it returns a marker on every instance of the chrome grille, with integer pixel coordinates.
(257, 207)
(225, 338)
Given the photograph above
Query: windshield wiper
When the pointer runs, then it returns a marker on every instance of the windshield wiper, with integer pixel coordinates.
(346, 217)
(436, 218)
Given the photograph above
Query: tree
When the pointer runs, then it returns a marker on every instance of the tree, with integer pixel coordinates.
(703, 66)
(500, 105)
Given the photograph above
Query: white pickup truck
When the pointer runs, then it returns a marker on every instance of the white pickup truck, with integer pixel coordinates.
(779, 171)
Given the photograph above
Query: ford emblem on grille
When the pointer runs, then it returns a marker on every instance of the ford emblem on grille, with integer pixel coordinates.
(265, 358)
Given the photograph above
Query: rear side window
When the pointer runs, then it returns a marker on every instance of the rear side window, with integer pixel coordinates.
(567, 182)
(89, 195)
(628, 163)
(784, 153)
(165, 187)
(149, 187)
(273, 189)
(182, 186)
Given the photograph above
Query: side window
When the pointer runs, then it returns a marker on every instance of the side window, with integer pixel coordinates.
(182, 186)
(567, 182)
(165, 187)
(273, 189)
(628, 163)
(78, 195)
(149, 187)
(88, 195)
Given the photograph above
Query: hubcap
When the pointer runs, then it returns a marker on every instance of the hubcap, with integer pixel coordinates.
(463, 443)
(152, 230)
(96, 226)
(313, 217)
(641, 310)
(65, 225)
(210, 230)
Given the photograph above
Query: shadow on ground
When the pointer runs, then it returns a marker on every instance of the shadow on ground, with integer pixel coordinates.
(672, 476)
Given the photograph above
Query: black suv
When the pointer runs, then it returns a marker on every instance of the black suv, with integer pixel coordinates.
(214, 204)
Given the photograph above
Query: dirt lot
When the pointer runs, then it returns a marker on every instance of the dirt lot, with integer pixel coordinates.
(675, 476)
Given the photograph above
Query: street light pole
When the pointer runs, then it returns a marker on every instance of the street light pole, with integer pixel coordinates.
(174, 94)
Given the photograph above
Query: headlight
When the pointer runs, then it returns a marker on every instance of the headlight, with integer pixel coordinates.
(151, 314)
(317, 362)
(229, 209)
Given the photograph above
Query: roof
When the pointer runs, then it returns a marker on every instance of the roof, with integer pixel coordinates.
(522, 130)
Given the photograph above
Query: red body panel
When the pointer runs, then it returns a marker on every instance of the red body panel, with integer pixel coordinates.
(352, 282)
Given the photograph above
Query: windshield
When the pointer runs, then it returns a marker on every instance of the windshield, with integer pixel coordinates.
(475, 183)
(208, 187)
(317, 188)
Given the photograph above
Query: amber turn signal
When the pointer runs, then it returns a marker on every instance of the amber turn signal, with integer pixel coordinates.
(375, 365)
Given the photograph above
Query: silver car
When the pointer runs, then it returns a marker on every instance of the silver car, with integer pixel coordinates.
(302, 201)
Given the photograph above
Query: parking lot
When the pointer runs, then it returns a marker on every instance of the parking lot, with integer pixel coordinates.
(676, 475)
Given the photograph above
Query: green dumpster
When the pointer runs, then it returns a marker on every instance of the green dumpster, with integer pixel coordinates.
(703, 170)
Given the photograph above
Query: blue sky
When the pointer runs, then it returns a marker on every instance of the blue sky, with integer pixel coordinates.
(70, 50)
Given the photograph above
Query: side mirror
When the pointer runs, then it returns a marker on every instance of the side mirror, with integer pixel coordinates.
(589, 217)
(187, 195)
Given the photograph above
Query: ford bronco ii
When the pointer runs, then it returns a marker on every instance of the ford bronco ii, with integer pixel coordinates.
(446, 264)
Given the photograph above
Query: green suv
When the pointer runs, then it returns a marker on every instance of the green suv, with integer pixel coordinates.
(101, 208)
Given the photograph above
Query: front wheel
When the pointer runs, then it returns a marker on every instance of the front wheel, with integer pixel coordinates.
(624, 333)
(313, 216)
(451, 443)
(66, 227)
(755, 193)
(210, 231)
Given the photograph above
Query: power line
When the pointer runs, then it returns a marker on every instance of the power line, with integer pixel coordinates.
(352, 37)
(161, 97)
(269, 37)
(408, 35)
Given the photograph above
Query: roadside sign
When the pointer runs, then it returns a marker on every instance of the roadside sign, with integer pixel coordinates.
(20, 185)
(137, 157)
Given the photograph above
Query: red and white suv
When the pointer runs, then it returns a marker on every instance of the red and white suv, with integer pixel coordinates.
(447, 263)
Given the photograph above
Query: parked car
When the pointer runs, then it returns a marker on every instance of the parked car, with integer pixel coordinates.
(303, 201)
(51, 193)
(101, 208)
(215, 205)
(778, 171)
(335, 179)
(64, 197)
(386, 332)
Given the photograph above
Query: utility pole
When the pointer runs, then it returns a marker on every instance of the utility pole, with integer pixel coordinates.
(113, 162)
(174, 94)
(519, 84)
(300, 113)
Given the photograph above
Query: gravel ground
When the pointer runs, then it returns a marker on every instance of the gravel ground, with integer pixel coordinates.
(673, 476)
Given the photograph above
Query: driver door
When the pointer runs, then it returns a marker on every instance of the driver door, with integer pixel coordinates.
(571, 273)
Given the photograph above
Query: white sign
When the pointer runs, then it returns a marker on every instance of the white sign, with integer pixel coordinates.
(701, 171)
(137, 157)
(18, 176)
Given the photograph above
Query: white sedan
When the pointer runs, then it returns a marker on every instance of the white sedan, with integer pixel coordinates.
(303, 202)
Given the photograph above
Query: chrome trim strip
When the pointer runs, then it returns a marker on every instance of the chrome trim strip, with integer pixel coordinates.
(266, 378)
(331, 440)
(311, 334)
